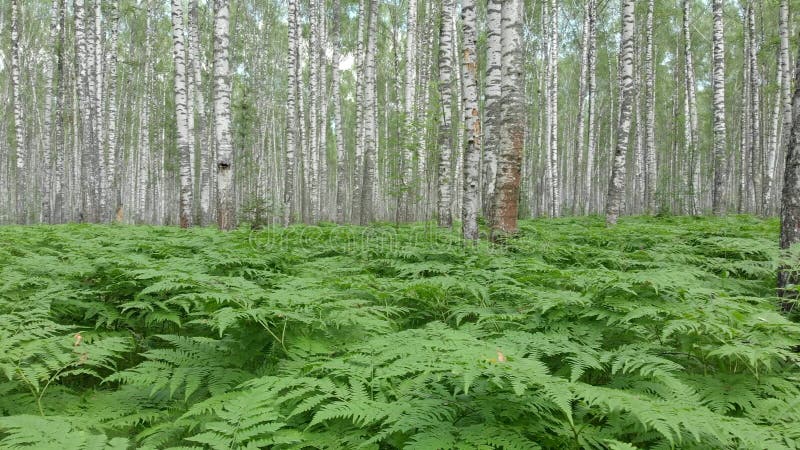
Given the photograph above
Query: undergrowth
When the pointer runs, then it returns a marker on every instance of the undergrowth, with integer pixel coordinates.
(660, 333)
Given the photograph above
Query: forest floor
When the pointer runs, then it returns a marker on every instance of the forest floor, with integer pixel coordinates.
(659, 333)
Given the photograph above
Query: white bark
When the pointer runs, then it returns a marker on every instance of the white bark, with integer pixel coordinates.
(469, 74)
(370, 126)
(512, 132)
(555, 178)
(691, 120)
(493, 92)
(616, 186)
(226, 214)
(720, 133)
(444, 205)
(410, 133)
(19, 115)
(291, 117)
(650, 115)
(184, 146)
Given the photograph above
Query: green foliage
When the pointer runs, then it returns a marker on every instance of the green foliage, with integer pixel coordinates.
(659, 333)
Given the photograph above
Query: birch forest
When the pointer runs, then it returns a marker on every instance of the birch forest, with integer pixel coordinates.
(198, 112)
(400, 224)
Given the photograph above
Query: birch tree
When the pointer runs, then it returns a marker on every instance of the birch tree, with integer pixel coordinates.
(370, 127)
(409, 104)
(444, 205)
(690, 108)
(592, 108)
(184, 145)
(492, 92)
(341, 156)
(506, 203)
(718, 84)
(226, 212)
(472, 122)
(650, 114)
(291, 116)
(616, 185)
(555, 177)
(19, 115)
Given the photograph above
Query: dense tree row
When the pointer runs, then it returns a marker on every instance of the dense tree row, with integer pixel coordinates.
(199, 111)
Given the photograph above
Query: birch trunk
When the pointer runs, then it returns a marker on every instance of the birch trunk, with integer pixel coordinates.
(616, 185)
(360, 78)
(720, 133)
(755, 110)
(410, 135)
(370, 126)
(512, 132)
(581, 121)
(143, 157)
(292, 124)
(341, 155)
(492, 92)
(691, 137)
(112, 185)
(786, 85)
(588, 184)
(555, 180)
(444, 205)
(469, 214)
(226, 212)
(184, 145)
(198, 102)
(60, 184)
(650, 115)
(47, 147)
(20, 141)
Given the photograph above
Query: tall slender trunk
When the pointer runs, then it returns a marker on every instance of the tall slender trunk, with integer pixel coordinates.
(588, 183)
(361, 74)
(650, 114)
(744, 141)
(341, 155)
(720, 134)
(322, 113)
(60, 184)
(292, 123)
(185, 148)
(226, 212)
(19, 115)
(469, 74)
(512, 131)
(47, 138)
(692, 139)
(786, 85)
(616, 185)
(370, 127)
(312, 170)
(555, 180)
(755, 110)
(199, 106)
(581, 120)
(99, 114)
(84, 91)
(492, 92)
(111, 182)
(444, 205)
(144, 157)
(772, 149)
(410, 134)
